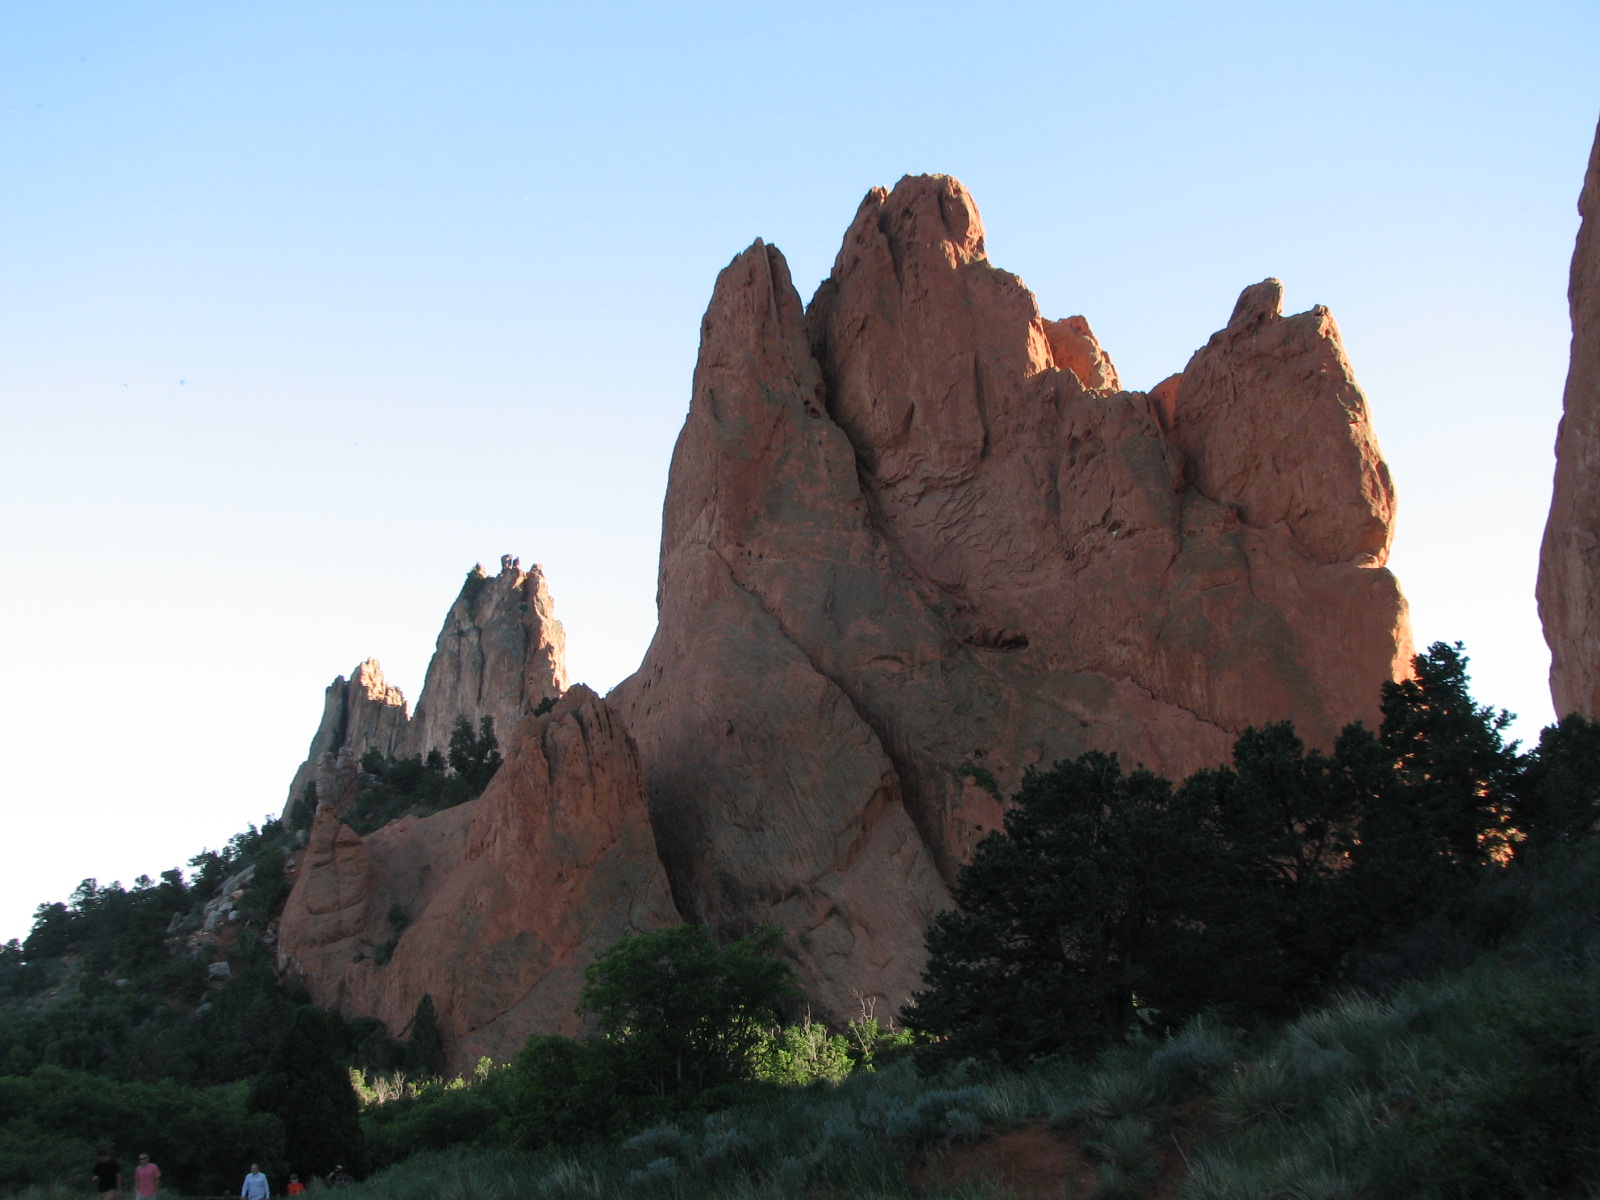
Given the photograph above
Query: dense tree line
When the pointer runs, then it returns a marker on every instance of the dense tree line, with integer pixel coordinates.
(1113, 899)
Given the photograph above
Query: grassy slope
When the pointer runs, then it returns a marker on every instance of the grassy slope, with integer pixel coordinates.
(1478, 1080)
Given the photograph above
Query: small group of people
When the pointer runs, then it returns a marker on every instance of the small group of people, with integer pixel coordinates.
(108, 1177)
(147, 1180)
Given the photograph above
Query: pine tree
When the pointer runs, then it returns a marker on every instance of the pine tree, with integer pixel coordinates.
(424, 1058)
(308, 1089)
(1106, 900)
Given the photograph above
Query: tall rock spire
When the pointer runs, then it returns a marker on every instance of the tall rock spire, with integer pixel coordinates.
(1569, 560)
(501, 651)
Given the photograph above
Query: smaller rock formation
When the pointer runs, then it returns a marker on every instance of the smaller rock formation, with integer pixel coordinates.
(1074, 348)
(494, 907)
(1569, 560)
(500, 653)
(361, 714)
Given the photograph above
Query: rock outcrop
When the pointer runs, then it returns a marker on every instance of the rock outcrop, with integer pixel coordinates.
(359, 714)
(500, 653)
(493, 907)
(915, 540)
(1569, 560)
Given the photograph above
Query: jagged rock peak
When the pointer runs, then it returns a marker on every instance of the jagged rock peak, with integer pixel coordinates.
(917, 537)
(1273, 424)
(501, 651)
(362, 713)
(1569, 567)
(1074, 348)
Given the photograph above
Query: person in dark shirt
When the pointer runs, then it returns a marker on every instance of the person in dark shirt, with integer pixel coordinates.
(107, 1176)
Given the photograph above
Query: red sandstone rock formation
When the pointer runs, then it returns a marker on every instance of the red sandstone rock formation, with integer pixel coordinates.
(907, 550)
(916, 539)
(1569, 560)
(500, 652)
(508, 897)
(360, 715)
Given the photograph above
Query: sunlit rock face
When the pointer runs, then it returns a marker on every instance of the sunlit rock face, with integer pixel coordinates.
(1569, 561)
(916, 539)
(359, 714)
(493, 907)
(503, 901)
(500, 653)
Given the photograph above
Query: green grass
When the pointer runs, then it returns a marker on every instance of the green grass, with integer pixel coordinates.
(1480, 1082)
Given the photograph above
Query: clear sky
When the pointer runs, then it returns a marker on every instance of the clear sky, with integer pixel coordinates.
(307, 307)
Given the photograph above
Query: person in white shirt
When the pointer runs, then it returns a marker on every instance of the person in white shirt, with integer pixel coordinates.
(255, 1186)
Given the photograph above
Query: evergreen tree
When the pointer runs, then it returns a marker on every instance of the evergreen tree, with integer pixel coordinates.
(1558, 792)
(474, 758)
(1105, 898)
(308, 1089)
(424, 1055)
(1433, 794)
(1287, 819)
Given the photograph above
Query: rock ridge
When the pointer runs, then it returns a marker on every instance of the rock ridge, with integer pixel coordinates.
(506, 899)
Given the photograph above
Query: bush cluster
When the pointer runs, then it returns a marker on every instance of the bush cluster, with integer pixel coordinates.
(394, 787)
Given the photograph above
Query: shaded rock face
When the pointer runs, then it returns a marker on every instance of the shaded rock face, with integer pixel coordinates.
(916, 540)
(500, 652)
(1569, 560)
(505, 899)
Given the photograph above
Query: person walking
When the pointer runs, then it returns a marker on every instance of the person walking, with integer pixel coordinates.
(255, 1186)
(146, 1178)
(107, 1176)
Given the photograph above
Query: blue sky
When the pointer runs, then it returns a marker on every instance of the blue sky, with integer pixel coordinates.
(305, 308)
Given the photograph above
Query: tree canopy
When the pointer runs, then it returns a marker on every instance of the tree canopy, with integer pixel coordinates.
(1110, 898)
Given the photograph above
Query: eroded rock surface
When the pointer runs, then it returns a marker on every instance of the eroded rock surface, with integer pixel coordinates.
(359, 714)
(500, 653)
(908, 551)
(493, 907)
(1569, 560)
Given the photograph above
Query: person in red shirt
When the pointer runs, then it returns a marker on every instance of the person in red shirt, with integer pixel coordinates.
(146, 1178)
(296, 1188)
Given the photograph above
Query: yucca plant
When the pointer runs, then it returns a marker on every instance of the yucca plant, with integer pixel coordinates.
(1257, 1092)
